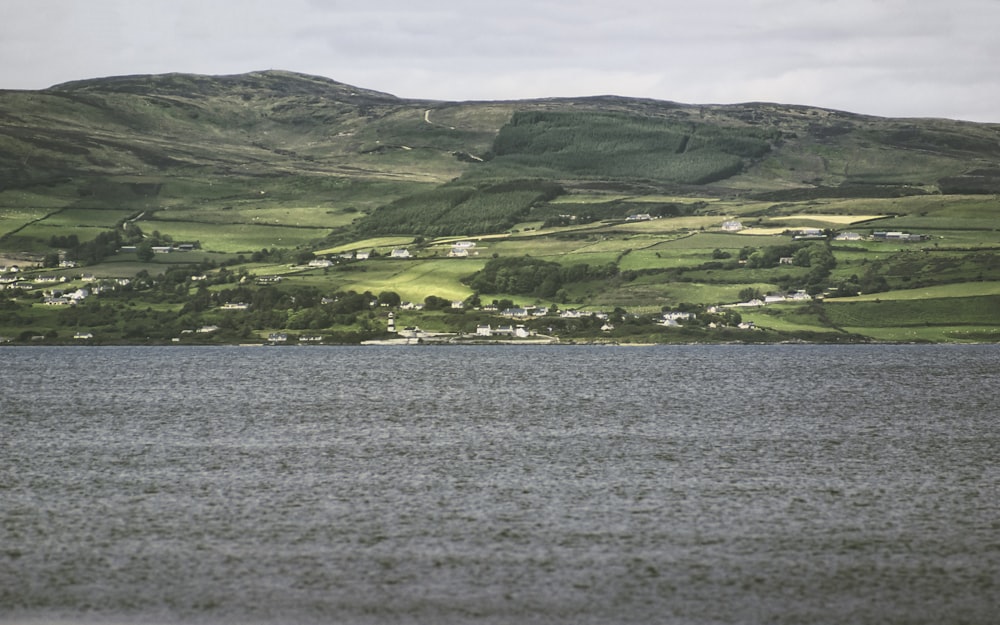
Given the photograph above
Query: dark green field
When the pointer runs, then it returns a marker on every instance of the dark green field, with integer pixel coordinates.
(602, 205)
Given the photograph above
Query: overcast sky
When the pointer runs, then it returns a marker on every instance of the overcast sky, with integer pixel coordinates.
(895, 58)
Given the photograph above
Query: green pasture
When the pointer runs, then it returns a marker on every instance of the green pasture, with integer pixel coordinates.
(365, 245)
(300, 216)
(16, 200)
(235, 237)
(785, 318)
(672, 293)
(712, 240)
(412, 280)
(935, 334)
(88, 218)
(938, 311)
(13, 218)
(964, 289)
(38, 234)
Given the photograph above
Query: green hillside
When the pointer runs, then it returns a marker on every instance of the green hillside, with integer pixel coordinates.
(174, 195)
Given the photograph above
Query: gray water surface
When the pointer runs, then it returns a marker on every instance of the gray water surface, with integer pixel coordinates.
(690, 484)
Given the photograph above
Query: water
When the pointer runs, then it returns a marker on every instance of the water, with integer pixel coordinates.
(694, 484)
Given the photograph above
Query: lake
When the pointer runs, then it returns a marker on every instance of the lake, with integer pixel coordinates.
(487, 485)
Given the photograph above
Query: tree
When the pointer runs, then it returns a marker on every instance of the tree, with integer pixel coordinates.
(144, 252)
(750, 293)
(389, 298)
(433, 302)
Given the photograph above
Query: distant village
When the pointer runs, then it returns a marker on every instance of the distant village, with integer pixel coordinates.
(53, 294)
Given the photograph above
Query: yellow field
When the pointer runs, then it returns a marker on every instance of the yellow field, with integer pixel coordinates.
(832, 219)
(762, 231)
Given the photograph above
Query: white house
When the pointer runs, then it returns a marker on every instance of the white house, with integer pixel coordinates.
(321, 262)
(848, 236)
(400, 253)
(732, 225)
(484, 330)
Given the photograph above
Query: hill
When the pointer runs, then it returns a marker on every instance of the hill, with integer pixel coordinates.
(258, 171)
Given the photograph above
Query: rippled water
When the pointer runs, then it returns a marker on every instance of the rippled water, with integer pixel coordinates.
(694, 484)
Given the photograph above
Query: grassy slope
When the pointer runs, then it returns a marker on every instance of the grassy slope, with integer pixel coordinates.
(278, 160)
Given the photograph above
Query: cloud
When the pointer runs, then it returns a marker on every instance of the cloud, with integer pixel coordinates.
(885, 57)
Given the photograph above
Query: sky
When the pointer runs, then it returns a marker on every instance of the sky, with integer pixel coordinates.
(892, 58)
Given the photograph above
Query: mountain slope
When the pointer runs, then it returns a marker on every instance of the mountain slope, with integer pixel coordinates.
(280, 123)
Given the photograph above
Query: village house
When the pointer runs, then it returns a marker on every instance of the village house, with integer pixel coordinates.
(673, 318)
(803, 234)
(848, 236)
(732, 225)
(400, 253)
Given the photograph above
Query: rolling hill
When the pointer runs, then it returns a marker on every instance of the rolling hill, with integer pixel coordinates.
(260, 171)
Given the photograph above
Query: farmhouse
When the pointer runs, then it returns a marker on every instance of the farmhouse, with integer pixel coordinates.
(400, 253)
(732, 225)
(848, 236)
(673, 318)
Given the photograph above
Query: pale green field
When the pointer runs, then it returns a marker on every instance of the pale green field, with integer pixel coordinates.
(364, 245)
(13, 218)
(964, 289)
(711, 240)
(90, 218)
(413, 281)
(970, 334)
(311, 216)
(234, 237)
